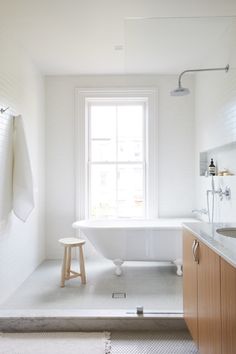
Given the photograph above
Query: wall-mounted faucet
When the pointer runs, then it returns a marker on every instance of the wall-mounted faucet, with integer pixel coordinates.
(222, 193)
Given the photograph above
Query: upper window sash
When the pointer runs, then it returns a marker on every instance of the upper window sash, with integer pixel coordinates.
(142, 102)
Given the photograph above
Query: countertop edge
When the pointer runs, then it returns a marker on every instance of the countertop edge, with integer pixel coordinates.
(209, 243)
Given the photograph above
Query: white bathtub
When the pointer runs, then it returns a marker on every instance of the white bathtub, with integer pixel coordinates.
(136, 240)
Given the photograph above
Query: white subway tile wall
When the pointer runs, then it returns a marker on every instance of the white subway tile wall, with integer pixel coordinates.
(215, 127)
(21, 88)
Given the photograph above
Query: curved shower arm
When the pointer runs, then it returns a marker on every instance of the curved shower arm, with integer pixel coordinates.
(226, 69)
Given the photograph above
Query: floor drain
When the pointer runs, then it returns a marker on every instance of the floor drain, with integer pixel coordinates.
(118, 295)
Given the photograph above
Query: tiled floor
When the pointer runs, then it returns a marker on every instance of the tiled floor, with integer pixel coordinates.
(152, 342)
(178, 342)
(155, 287)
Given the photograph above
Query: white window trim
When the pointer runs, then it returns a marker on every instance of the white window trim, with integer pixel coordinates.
(80, 151)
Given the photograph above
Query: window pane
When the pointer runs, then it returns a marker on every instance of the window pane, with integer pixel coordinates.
(130, 150)
(130, 121)
(130, 132)
(103, 122)
(103, 133)
(103, 191)
(130, 191)
(103, 150)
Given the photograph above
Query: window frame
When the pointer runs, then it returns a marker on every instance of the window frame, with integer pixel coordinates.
(81, 152)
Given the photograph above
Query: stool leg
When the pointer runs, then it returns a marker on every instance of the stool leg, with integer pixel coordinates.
(63, 268)
(68, 262)
(81, 262)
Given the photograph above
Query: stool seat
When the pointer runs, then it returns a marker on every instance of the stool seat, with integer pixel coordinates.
(71, 241)
(66, 272)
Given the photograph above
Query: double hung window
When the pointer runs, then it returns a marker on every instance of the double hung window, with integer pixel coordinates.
(116, 154)
(116, 158)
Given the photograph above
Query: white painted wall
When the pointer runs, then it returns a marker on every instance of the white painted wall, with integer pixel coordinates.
(175, 145)
(22, 246)
(216, 126)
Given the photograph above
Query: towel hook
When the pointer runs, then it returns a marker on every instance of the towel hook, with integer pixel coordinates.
(2, 110)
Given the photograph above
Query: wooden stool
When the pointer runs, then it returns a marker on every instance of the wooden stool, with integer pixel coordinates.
(66, 272)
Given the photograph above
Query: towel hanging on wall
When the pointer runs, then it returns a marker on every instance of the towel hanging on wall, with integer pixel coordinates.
(23, 198)
(6, 166)
(16, 182)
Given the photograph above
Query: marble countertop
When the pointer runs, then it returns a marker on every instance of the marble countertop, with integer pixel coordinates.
(206, 232)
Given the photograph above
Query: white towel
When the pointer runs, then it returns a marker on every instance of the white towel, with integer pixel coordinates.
(16, 182)
(6, 166)
(23, 198)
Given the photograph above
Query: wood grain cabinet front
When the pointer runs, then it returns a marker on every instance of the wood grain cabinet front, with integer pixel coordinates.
(201, 294)
(228, 307)
(209, 313)
(190, 285)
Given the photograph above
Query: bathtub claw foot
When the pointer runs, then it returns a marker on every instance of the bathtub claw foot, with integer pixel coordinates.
(179, 265)
(118, 263)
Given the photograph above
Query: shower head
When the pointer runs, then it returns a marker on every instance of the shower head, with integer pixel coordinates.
(182, 91)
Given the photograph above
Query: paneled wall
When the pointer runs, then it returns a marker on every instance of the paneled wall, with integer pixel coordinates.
(22, 246)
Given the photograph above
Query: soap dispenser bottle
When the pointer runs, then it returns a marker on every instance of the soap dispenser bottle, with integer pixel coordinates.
(212, 168)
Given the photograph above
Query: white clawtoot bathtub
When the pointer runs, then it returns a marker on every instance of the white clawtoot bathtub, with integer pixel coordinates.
(136, 240)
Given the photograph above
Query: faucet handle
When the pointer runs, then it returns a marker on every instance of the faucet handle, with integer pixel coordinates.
(227, 193)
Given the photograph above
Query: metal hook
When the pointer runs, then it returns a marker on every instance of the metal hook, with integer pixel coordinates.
(2, 110)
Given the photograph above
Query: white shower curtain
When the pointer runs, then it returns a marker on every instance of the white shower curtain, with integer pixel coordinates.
(16, 182)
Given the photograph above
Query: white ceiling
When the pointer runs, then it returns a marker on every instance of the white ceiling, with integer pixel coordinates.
(79, 37)
(172, 45)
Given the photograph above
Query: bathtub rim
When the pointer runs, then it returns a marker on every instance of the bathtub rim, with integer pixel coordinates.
(164, 224)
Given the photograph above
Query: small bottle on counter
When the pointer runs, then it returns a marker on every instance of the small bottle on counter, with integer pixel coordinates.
(212, 168)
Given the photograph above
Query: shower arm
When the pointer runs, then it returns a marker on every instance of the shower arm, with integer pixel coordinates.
(226, 69)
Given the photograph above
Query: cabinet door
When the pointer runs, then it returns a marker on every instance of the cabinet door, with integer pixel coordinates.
(228, 307)
(190, 285)
(209, 311)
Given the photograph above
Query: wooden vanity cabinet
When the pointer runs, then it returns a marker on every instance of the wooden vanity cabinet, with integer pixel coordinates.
(190, 285)
(209, 312)
(201, 291)
(228, 307)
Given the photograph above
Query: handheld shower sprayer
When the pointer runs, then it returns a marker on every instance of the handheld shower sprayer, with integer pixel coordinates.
(212, 191)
